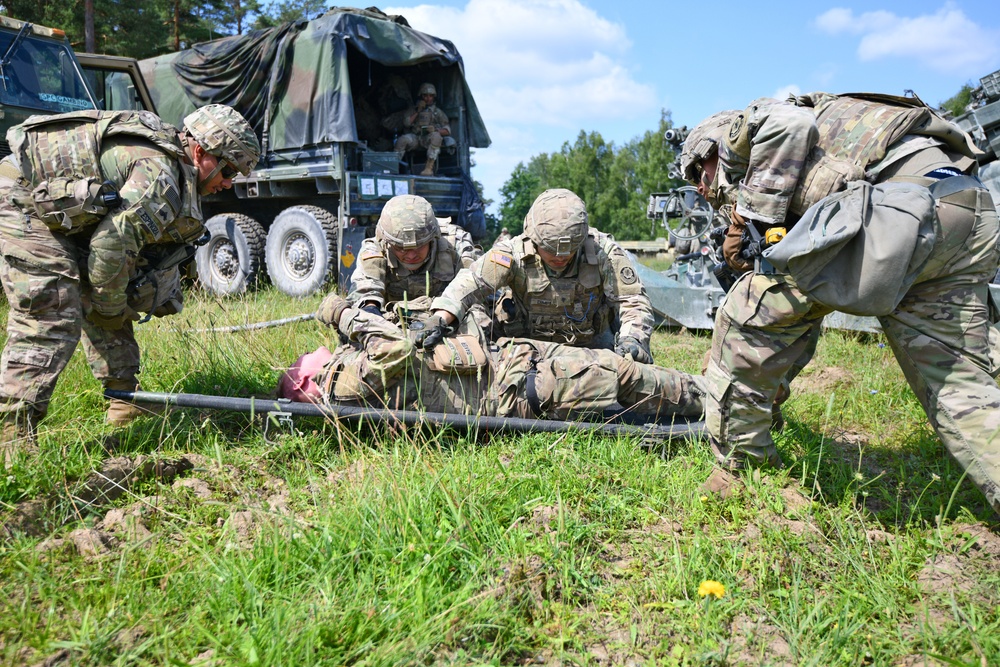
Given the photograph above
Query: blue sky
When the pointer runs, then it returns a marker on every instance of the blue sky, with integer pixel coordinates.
(542, 70)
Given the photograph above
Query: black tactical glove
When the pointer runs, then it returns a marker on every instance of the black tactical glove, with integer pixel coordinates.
(434, 329)
(372, 309)
(630, 347)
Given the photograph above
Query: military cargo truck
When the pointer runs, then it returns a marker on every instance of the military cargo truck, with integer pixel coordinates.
(326, 98)
(982, 121)
(39, 74)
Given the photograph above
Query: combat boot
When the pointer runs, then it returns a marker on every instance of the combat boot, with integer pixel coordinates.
(429, 167)
(122, 413)
(18, 434)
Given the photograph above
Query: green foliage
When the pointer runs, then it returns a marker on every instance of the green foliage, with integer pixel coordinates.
(286, 11)
(615, 182)
(141, 30)
(957, 103)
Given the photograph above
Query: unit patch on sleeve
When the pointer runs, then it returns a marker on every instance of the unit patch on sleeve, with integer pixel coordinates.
(627, 275)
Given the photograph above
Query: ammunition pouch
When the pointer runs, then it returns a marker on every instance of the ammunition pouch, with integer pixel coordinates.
(68, 205)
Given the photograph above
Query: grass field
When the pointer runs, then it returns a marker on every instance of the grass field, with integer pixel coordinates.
(190, 540)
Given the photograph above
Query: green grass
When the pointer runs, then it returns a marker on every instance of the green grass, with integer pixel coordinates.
(377, 546)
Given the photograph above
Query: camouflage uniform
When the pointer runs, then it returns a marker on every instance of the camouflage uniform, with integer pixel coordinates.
(940, 328)
(425, 130)
(381, 365)
(380, 278)
(69, 256)
(598, 295)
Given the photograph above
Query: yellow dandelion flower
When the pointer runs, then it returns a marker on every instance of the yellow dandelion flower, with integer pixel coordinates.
(709, 587)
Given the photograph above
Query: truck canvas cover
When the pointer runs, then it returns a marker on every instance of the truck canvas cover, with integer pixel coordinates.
(292, 82)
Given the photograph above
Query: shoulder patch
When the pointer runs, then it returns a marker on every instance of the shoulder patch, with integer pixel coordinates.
(501, 258)
(371, 253)
(736, 127)
(627, 275)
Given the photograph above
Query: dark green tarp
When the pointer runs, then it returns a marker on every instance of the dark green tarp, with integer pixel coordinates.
(292, 82)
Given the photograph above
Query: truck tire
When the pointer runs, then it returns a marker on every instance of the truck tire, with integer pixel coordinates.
(230, 262)
(301, 250)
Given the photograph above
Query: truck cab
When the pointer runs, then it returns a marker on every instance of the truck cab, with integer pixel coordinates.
(39, 74)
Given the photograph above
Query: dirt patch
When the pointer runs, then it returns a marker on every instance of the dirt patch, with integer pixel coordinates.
(756, 641)
(823, 380)
(543, 518)
(528, 584)
(986, 543)
(352, 474)
(199, 488)
(28, 517)
(796, 502)
(919, 661)
(943, 573)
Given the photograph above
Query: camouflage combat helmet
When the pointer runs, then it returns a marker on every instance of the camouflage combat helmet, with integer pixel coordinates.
(703, 142)
(427, 89)
(557, 222)
(223, 132)
(407, 221)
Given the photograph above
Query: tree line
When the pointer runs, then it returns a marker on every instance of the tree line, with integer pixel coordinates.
(614, 181)
(154, 27)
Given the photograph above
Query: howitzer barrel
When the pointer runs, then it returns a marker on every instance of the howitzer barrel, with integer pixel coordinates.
(657, 431)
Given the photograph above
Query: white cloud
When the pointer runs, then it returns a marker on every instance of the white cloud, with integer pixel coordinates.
(536, 64)
(783, 92)
(946, 41)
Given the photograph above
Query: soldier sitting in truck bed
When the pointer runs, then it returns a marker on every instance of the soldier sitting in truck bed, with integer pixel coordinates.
(411, 256)
(428, 128)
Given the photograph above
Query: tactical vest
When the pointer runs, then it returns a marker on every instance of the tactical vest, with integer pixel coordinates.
(59, 157)
(443, 263)
(855, 132)
(572, 310)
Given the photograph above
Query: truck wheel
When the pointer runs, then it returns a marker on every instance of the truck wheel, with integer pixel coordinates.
(230, 262)
(301, 251)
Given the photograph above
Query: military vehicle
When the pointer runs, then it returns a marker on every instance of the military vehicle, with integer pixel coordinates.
(982, 121)
(39, 74)
(326, 98)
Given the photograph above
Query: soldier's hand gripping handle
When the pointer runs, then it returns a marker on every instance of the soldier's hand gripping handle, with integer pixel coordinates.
(435, 328)
(630, 347)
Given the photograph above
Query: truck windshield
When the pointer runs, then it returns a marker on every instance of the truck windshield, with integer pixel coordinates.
(41, 75)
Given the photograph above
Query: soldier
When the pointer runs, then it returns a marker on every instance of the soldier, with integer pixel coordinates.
(568, 283)
(465, 374)
(504, 235)
(92, 201)
(412, 255)
(889, 221)
(428, 126)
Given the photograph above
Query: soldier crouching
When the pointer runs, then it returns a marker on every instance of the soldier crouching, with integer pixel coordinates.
(91, 202)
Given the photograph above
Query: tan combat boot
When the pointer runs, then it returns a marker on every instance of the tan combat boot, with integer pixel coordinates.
(429, 167)
(17, 434)
(122, 413)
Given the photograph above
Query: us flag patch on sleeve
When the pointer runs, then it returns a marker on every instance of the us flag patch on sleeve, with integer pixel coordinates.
(502, 259)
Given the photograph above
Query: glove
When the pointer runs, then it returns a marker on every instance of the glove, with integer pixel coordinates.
(421, 105)
(732, 245)
(435, 328)
(630, 347)
(112, 322)
(331, 309)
